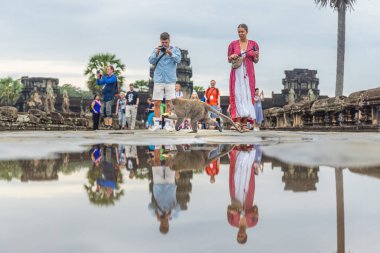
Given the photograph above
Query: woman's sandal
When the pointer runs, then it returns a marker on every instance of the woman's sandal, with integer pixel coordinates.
(237, 124)
(245, 128)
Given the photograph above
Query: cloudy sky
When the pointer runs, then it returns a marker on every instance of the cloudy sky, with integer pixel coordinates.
(56, 38)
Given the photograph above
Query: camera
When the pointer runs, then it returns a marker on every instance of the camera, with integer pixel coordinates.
(163, 49)
(98, 71)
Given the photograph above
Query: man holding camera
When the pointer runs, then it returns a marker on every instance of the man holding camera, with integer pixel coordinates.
(165, 59)
(109, 83)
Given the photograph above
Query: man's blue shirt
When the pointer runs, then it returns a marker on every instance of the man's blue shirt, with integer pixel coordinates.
(110, 87)
(166, 69)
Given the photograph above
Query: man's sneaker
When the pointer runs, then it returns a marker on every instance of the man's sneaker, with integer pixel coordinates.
(155, 128)
(169, 128)
(256, 129)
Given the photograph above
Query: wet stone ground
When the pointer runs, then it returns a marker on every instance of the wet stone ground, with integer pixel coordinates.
(121, 191)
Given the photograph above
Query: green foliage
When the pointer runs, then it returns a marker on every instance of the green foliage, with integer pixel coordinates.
(142, 85)
(10, 90)
(198, 88)
(100, 62)
(10, 170)
(336, 4)
(74, 91)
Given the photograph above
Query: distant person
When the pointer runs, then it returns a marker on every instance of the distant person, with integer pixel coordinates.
(96, 106)
(212, 95)
(242, 78)
(132, 160)
(212, 170)
(178, 92)
(259, 97)
(96, 155)
(242, 212)
(165, 59)
(194, 96)
(110, 88)
(203, 99)
(149, 112)
(121, 157)
(121, 107)
(132, 105)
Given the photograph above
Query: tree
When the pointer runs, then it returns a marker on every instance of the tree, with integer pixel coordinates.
(341, 6)
(142, 85)
(74, 91)
(100, 62)
(10, 90)
(198, 88)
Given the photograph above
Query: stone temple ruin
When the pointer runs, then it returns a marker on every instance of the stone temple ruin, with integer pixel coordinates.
(39, 108)
(301, 84)
(359, 111)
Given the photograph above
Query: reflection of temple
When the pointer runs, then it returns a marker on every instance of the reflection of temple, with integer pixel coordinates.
(297, 178)
(184, 188)
(184, 75)
(44, 170)
(371, 172)
(300, 178)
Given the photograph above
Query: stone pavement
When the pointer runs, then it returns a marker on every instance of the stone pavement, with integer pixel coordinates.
(304, 148)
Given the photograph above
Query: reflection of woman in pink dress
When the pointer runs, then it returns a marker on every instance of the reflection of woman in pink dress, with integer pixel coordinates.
(242, 213)
(242, 79)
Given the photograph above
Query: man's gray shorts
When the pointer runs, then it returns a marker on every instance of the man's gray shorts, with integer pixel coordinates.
(107, 109)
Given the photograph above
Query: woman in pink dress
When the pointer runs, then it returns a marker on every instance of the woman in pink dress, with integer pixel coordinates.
(242, 79)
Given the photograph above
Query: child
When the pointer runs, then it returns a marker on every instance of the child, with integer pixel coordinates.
(120, 110)
(95, 109)
(150, 112)
(259, 97)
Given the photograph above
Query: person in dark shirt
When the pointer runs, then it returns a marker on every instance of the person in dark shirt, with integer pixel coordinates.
(132, 105)
(95, 109)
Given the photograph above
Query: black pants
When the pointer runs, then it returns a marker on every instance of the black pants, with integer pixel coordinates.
(95, 121)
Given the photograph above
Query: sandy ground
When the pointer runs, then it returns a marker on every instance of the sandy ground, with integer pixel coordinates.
(306, 148)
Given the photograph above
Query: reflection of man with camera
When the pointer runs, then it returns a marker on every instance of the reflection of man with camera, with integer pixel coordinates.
(165, 59)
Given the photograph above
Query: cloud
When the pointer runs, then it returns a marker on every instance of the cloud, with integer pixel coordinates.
(293, 35)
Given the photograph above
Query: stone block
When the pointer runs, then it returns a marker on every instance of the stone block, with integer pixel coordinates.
(8, 113)
(57, 118)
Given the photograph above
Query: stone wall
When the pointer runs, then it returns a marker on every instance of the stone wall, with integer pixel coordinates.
(359, 111)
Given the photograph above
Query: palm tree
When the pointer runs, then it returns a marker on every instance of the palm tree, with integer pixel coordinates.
(100, 62)
(198, 88)
(341, 6)
(142, 85)
(10, 90)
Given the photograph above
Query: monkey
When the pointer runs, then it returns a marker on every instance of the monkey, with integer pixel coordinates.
(196, 111)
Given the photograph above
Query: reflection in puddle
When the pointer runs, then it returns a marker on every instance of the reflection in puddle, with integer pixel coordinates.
(170, 173)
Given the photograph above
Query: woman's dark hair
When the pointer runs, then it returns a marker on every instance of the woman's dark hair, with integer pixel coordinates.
(256, 89)
(244, 26)
(95, 96)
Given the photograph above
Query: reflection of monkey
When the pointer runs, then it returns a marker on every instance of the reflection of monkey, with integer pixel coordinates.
(196, 111)
(194, 159)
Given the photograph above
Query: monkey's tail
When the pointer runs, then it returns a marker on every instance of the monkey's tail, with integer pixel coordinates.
(209, 108)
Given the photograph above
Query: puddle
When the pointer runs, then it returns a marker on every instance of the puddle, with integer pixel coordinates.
(187, 198)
